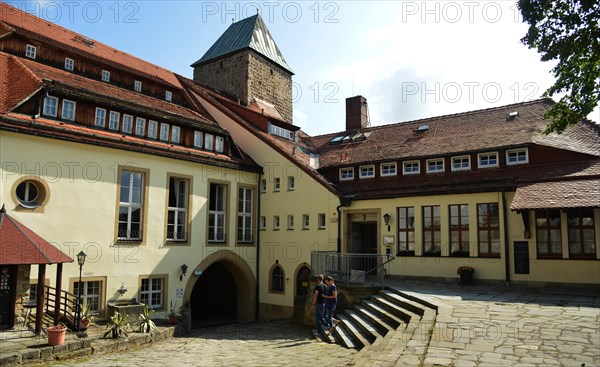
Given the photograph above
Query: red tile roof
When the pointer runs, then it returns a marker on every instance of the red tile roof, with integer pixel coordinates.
(20, 245)
(96, 87)
(87, 135)
(454, 134)
(47, 32)
(16, 82)
(559, 194)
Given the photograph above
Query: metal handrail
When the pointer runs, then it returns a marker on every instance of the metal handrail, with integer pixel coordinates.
(390, 258)
(66, 301)
(331, 262)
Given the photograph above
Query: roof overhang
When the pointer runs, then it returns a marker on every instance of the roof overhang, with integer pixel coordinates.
(557, 195)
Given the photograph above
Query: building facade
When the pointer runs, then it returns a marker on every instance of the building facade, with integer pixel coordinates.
(147, 171)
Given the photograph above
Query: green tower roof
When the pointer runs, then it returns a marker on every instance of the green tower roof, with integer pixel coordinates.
(247, 33)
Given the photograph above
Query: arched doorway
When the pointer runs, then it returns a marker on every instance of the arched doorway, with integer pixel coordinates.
(302, 284)
(214, 297)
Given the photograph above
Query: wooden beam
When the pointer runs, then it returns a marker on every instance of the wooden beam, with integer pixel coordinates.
(57, 296)
(39, 310)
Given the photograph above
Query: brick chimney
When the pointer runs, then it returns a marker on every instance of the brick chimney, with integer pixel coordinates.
(356, 113)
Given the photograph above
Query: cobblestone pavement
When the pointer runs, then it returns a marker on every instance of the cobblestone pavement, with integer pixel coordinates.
(475, 326)
(262, 343)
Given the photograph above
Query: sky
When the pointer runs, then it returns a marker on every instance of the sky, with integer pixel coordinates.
(409, 59)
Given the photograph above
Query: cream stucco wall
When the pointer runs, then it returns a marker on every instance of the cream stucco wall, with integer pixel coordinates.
(81, 212)
(289, 248)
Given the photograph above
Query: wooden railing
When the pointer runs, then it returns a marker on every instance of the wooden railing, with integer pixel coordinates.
(62, 308)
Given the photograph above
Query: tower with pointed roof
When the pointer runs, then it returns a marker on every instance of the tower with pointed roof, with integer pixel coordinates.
(246, 65)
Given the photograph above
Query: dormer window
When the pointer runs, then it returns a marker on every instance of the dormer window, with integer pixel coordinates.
(346, 174)
(435, 165)
(152, 129)
(100, 119)
(367, 171)
(198, 139)
(175, 134)
(30, 51)
(68, 110)
(281, 132)
(168, 96)
(106, 76)
(388, 169)
(208, 141)
(487, 160)
(462, 163)
(69, 64)
(140, 126)
(137, 86)
(517, 156)
(411, 167)
(219, 144)
(127, 124)
(164, 132)
(113, 121)
(50, 106)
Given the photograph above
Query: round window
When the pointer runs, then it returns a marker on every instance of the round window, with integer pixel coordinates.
(28, 194)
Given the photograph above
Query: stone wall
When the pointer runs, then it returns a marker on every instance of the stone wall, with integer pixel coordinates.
(247, 75)
(22, 290)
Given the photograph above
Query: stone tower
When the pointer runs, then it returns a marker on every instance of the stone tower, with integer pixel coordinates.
(246, 64)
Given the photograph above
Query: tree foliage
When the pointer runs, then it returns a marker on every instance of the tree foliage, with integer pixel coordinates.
(567, 31)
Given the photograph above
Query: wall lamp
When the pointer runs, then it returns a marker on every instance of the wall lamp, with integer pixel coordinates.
(386, 220)
(184, 269)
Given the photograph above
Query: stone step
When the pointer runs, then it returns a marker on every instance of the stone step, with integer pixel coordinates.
(396, 310)
(403, 302)
(391, 320)
(375, 319)
(410, 296)
(353, 331)
(343, 336)
(367, 329)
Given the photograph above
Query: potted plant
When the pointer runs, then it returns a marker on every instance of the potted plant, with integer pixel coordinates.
(466, 274)
(56, 334)
(173, 315)
(146, 324)
(117, 324)
(86, 318)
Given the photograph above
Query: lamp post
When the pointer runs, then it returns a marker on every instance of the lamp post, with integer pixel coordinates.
(80, 260)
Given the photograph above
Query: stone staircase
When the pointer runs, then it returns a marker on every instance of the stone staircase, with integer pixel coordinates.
(392, 328)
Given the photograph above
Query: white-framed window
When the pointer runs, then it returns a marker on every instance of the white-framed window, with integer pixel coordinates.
(68, 110)
(100, 119)
(198, 139)
(177, 209)
(435, 165)
(113, 120)
(276, 222)
(168, 96)
(175, 134)
(140, 126)
(263, 185)
(127, 124)
(276, 184)
(263, 223)
(164, 131)
(367, 171)
(321, 220)
(290, 221)
(461, 163)
(30, 194)
(89, 293)
(131, 199)
(137, 86)
(30, 51)
(217, 205)
(245, 205)
(219, 144)
(152, 292)
(152, 129)
(69, 64)
(50, 106)
(106, 76)
(411, 167)
(209, 141)
(346, 174)
(305, 221)
(485, 160)
(517, 156)
(388, 169)
(291, 183)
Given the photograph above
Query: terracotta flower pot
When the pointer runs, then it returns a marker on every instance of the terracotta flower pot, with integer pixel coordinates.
(56, 335)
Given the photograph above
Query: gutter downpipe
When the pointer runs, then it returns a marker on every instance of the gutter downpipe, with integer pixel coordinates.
(256, 311)
(506, 242)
